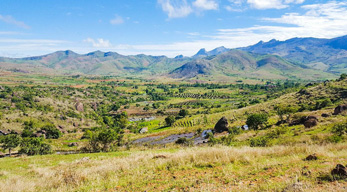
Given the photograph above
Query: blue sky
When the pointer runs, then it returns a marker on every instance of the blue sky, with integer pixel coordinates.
(161, 27)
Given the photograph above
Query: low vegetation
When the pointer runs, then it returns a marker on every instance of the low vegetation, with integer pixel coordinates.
(140, 135)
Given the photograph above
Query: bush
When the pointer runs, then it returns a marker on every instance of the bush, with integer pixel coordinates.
(182, 141)
(104, 139)
(256, 120)
(183, 112)
(169, 120)
(51, 131)
(340, 129)
(259, 142)
(35, 146)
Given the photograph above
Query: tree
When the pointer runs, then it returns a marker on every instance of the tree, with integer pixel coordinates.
(104, 139)
(170, 120)
(183, 112)
(35, 146)
(10, 142)
(256, 120)
(51, 131)
(343, 76)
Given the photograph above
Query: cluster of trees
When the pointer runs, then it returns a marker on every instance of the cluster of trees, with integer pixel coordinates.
(103, 139)
(28, 145)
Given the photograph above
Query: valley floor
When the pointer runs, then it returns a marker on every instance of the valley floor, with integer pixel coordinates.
(217, 168)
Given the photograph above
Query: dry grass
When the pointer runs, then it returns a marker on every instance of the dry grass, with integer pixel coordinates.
(219, 168)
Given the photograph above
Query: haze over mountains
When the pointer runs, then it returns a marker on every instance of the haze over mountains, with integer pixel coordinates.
(297, 58)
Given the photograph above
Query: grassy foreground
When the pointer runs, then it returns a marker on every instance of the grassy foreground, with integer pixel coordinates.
(218, 168)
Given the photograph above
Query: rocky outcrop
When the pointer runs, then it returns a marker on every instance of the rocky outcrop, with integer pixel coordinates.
(339, 170)
(79, 107)
(221, 126)
(340, 109)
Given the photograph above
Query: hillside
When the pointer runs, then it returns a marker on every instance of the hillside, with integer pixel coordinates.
(323, 54)
(297, 58)
(282, 154)
(234, 63)
(94, 63)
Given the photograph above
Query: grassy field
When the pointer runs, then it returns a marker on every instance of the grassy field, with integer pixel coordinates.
(218, 168)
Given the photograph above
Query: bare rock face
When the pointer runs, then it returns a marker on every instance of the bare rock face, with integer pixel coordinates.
(340, 109)
(339, 170)
(222, 125)
(144, 130)
(79, 107)
(95, 106)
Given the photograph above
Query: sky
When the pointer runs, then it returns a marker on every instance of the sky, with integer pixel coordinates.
(161, 27)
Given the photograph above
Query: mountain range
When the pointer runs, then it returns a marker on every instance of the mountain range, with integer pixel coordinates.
(297, 58)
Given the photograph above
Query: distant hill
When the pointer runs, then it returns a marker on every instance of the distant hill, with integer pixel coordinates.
(244, 64)
(203, 53)
(323, 54)
(96, 63)
(303, 58)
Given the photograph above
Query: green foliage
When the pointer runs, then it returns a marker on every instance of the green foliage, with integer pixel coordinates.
(259, 141)
(256, 120)
(234, 130)
(51, 131)
(169, 120)
(183, 112)
(10, 142)
(285, 110)
(340, 129)
(343, 76)
(35, 146)
(183, 141)
(105, 139)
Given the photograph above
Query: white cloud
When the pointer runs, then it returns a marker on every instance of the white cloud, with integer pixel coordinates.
(175, 8)
(99, 43)
(267, 4)
(117, 20)
(326, 20)
(206, 4)
(10, 20)
(235, 5)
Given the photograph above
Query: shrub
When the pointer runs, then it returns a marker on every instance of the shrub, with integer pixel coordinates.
(259, 142)
(340, 129)
(104, 139)
(182, 140)
(51, 131)
(256, 120)
(183, 112)
(169, 120)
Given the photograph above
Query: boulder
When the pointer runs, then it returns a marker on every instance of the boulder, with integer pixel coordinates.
(310, 123)
(74, 144)
(79, 107)
(95, 106)
(144, 130)
(339, 170)
(325, 115)
(222, 125)
(311, 157)
(340, 109)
